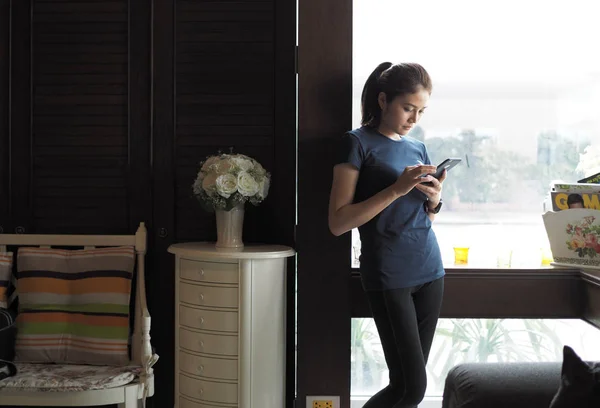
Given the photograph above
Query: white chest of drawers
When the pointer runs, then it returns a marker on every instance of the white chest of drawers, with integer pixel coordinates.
(230, 326)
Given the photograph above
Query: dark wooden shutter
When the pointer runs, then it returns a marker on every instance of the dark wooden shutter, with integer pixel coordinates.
(224, 98)
(79, 143)
(4, 112)
(89, 155)
(221, 58)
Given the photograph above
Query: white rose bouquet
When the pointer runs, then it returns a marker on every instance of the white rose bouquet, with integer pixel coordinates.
(227, 180)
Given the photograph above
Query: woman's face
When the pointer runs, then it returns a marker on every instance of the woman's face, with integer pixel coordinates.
(400, 115)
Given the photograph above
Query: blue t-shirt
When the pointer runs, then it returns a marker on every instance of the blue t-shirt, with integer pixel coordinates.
(398, 247)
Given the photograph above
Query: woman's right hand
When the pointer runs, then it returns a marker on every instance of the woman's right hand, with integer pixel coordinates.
(411, 176)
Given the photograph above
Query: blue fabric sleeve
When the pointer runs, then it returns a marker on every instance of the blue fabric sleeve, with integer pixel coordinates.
(427, 159)
(351, 151)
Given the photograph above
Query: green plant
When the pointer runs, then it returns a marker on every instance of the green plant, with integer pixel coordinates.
(367, 355)
(490, 340)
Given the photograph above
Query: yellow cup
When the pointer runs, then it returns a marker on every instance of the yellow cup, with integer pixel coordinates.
(546, 256)
(461, 255)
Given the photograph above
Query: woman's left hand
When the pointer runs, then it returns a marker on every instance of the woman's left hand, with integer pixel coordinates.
(434, 191)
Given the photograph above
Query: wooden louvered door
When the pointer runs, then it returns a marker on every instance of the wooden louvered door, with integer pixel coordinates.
(232, 64)
(75, 144)
(79, 143)
(75, 116)
(4, 112)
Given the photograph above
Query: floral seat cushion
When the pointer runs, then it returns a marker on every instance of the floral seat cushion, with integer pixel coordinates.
(69, 377)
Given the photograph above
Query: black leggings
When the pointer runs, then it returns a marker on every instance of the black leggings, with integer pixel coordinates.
(406, 320)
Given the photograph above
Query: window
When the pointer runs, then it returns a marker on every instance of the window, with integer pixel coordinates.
(469, 340)
(516, 96)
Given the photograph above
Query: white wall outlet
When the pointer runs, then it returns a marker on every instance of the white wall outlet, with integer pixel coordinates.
(322, 401)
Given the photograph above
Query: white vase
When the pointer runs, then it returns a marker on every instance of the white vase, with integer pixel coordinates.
(229, 227)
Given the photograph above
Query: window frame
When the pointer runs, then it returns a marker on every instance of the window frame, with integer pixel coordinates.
(329, 290)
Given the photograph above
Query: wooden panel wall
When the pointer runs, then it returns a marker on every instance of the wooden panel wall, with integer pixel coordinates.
(591, 283)
(324, 114)
(161, 288)
(514, 293)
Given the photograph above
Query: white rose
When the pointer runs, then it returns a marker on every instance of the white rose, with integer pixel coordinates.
(247, 186)
(243, 163)
(259, 169)
(226, 185)
(209, 162)
(209, 183)
(263, 188)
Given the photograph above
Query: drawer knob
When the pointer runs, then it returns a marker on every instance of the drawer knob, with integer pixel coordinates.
(200, 368)
(201, 272)
(201, 344)
(201, 296)
(202, 320)
(200, 391)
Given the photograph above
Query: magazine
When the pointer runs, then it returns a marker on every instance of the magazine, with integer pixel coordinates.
(591, 179)
(568, 200)
(576, 188)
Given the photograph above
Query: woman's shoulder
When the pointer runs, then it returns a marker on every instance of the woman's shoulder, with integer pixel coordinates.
(363, 134)
(412, 140)
(415, 142)
(354, 137)
(357, 132)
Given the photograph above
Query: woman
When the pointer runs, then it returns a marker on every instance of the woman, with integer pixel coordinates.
(377, 188)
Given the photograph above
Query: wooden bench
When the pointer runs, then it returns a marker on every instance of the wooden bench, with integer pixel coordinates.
(139, 372)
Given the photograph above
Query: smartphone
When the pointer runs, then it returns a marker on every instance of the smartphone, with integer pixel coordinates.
(445, 165)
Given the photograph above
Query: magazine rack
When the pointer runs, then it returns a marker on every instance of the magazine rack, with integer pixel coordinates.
(574, 236)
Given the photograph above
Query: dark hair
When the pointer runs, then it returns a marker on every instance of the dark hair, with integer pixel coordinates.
(393, 80)
(574, 198)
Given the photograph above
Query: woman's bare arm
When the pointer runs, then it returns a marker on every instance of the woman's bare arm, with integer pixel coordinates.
(344, 215)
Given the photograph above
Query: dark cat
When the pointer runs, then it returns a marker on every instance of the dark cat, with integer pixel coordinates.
(580, 383)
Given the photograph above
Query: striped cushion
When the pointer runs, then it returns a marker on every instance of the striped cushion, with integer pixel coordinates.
(74, 305)
(6, 259)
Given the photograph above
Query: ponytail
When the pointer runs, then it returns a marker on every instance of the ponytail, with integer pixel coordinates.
(392, 80)
(371, 111)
